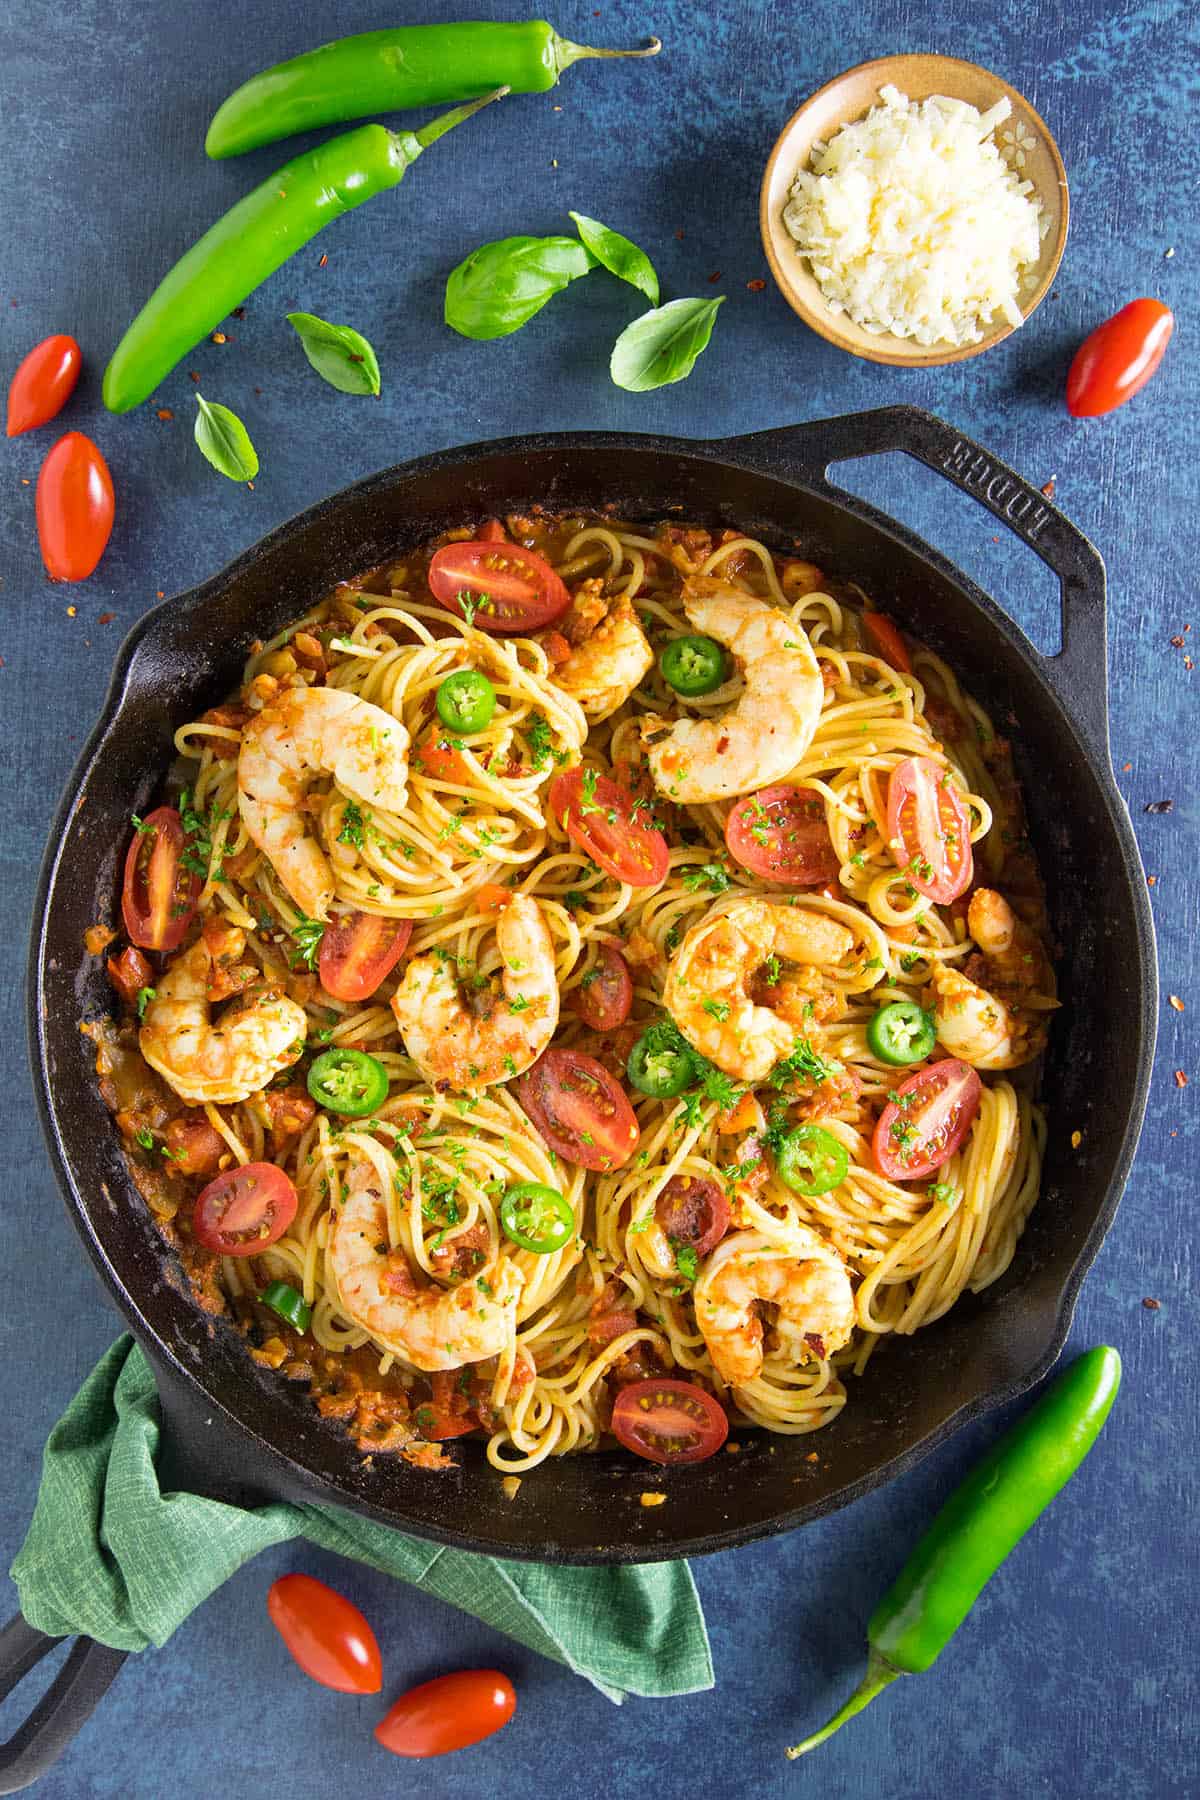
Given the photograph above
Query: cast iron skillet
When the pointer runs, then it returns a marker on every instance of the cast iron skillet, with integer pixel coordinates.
(233, 1431)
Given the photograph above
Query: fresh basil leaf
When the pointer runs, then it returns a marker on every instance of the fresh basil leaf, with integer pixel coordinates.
(619, 255)
(339, 355)
(224, 440)
(662, 346)
(500, 286)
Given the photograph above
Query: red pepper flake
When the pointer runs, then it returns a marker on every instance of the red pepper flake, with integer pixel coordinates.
(1181, 1079)
(1152, 881)
(24, 481)
(194, 375)
(678, 234)
(159, 594)
(107, 619)
(165, 413)
(715, 276)
(1152, 1305)
(239, 312)
(1048, 487)
(323, 260)
(1177, 642)
(1176, 1002)
(757, 285)
(1125, 768)
(1188, 663)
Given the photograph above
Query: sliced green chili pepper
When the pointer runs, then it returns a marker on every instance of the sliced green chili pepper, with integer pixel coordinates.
(983, 1520)
(348, 1081)
(537, 1218)
(291, 1306)
(383, 71)
(901, 1033)
(253, 239)
(659, 1070)
(811, 1161)
(693, 665)
(466, 701)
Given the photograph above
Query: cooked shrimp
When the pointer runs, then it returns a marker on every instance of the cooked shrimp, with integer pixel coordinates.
(306, 731)
(764, 736)
(501, 1034)
(708, 980)
(1002, 1024)
(805, 1279)
(430, 1327)
(603, 671)
(230, 1060)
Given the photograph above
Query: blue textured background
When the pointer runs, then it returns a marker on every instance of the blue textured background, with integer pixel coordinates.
(1076, 1674)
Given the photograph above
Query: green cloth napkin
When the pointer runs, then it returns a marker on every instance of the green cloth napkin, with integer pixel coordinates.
(110, 1555)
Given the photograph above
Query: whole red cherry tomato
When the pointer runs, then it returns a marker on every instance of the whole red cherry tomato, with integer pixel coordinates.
(43, 383)
(326, 1634)
(74, 508)
(448, 1713)
(1118, 359)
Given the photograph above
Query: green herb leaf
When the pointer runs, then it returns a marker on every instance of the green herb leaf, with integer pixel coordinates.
(307, 934)
(224, 441)
(662, 346)
(618, 255)
(340, 356)
(500, 286)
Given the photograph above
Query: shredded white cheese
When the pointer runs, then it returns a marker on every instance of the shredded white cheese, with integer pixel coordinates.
(914, 222)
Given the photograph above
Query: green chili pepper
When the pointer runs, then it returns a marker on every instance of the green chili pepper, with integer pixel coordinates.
(254, 238)
(901, 1033)
(811, 1161)
(291, 1306)
(537, 1218)
(693, 665)
(466, 701)
(383, 71)
(659, 1070)
(349, 1082)
(983, 1520)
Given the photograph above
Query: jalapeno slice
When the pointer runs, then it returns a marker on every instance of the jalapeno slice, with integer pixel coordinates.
(692, 665)
(349, 1082)
(283, 1299)
(901, 1033)
(811, 1161)
(661, 1071)
(466, 701)
(537, 1218)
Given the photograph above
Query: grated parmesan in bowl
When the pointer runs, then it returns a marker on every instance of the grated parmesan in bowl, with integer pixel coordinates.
(915, 222)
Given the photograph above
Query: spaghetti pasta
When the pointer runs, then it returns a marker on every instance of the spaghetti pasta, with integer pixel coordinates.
(617, 1302)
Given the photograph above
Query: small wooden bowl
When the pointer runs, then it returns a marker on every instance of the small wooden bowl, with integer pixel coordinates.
(850, 97)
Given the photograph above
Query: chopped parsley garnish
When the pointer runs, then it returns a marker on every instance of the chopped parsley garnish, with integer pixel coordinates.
(587, 797)
(307, 935)
(197, 852)
(686, 1260)
(771, 971)
(717, 1009)
(352, 826)
(714, 876)
(942, 1190)
(805, 1065)
(144, 997)
(145, 1137)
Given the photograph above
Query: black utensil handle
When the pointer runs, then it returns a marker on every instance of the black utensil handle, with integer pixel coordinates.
(1079, 673)
(63, 1709)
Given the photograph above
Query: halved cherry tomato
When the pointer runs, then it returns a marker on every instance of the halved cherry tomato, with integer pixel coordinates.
(74, 508)
(929, 831)
(581, 1111)
(693, 1210)
(447, 1414)
(43, 383)
(605, 821)
(441, 760)
(497, 587)
(493, 533)
(1118, 359)
(887, 641)
(326, 1634)
(929, 1118)
(669, 1421)
(604, 998)
(357, 951)
(244, 1210)
(159, 895)
(780, 834)
(448, 1713)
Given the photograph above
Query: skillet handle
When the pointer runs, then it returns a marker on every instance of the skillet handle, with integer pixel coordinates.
(63, 1709)
(1079, 673)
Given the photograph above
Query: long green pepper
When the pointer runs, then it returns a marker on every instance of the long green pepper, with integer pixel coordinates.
(984, 1519)
(254, 238)
(384, 71)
